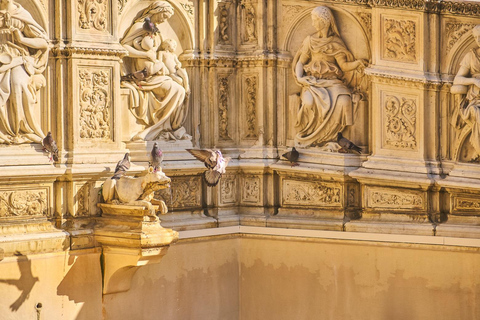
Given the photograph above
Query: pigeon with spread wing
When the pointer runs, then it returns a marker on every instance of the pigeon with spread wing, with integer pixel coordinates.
(215, 163)
(122, 167)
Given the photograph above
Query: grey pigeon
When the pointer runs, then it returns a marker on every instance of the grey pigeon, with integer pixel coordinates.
(122, 167)
(347, 145)
(292, 156)
(135, 76)
(51, 146)
(215, 163)
(149, 26)
(157, 157)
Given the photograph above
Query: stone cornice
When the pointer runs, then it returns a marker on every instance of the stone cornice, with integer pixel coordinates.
(71, 51)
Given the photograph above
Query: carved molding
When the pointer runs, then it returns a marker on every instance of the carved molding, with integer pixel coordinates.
(23, 203)
(399, 122)
(223, 106)
(394, 199)
(92, 14)
(454, 31)
(185, 192)
(250, 94)
(251, 189)
(399, 40)
(228, 189)
(398, 80)
(70, 51)
(95, 116)
(309, 193)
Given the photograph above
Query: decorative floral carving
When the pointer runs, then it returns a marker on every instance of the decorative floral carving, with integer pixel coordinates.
(251, 106)
(189, 10)
(249, 34)
(311, 193)
(400, 122)
(228, 189)
(95, 106)
(399, 41)
(81, 200)
(366, 19)
(185, 192)
(121, 5)
(223, 93)
(454, 31)
(467, 204)
(289, 12)
(92, 13)
(394, 199)
(251, 189)
(223, 25)
(23, 203)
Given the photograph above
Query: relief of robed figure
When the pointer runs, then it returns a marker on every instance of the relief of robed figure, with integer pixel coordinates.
(23, 58)
(325, 69)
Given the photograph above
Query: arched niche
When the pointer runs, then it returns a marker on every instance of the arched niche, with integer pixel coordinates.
(37, 11)
(177, 27)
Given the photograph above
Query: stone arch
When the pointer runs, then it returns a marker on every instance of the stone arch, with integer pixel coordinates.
(38, 12)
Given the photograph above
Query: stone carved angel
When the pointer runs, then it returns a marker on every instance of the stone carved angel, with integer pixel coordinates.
(467, 83)
(23, 58)
(158, 100)
(325, 68)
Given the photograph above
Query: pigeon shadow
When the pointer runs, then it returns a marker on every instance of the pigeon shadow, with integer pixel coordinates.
(25, 283)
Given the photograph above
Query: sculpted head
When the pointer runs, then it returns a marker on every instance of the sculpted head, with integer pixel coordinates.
(323, 18)
(6, 4)
(159, 11)
(476, 34)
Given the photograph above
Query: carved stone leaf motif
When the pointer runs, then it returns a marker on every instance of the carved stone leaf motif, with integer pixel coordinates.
(223, 94)
(121, 5)
(400, 123)
(185, 192)
(23, 203)
(228, 189)
(251, 106)
(466, 204)
(249, 34)
(289, 12)
(95, 113)
(82, 199)
(92, 14)
(224, 24)
(394, 199)
(251, 189)
(400, 40)
(310, 193)
(366, 19)
(454, 31)
(189, 10)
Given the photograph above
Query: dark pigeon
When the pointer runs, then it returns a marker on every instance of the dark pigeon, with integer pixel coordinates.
(347, 145)
(215, 163)
(292, 156)
(149, 26)
(122, 167)
(50, 146)
(157, 157)
(135, 76)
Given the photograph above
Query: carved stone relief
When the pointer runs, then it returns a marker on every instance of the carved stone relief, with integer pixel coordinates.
(399, 122)
(399, 40)
(24, 57)
(308, 193)
(250, 94)
(82, 197)
(23, 203)
(366, 19)
(289, 12)
(92, 14)
(189, 9)
(454, 31)
(394, 199)
(95, 119)
(224, 29)
(249, 23)
(223, 106)
(251, 189)
(228, 189)
(185, 192)
(121, 5)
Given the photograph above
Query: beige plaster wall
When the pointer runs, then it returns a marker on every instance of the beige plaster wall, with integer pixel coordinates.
(194, 280)
(290, 279)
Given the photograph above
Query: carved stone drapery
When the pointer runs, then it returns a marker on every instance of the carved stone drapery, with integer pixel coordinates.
(92, 14)
(311, 193)
(95, 107)
(250, 95)
(23, 203)
(400, 117)
(223, 96)
(399, 40)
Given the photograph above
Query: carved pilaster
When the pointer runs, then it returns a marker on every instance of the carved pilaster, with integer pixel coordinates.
(250, 96)
(92, 14)
(400, 123)
(223, 106)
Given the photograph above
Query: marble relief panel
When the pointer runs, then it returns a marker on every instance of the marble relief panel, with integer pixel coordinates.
(251, 189)
(185, 192)
(228, 190)
(394, 199)
(225, 24)
(311, 193)
(224, 93)
(25, 202)
(250, 93)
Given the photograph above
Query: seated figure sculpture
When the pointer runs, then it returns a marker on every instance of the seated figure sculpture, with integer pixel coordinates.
(324, 67)
(467, 81)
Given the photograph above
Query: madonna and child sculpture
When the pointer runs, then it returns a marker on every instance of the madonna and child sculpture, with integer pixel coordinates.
(157, 100)
(324, 68)
(23, 58)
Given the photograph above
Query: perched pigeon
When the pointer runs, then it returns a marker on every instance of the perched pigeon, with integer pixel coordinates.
(347, 145)
(135, 76)
(149, 26)
(157, 157)
(51, 146)
(122, 167)
(215, 163)
(292, 156)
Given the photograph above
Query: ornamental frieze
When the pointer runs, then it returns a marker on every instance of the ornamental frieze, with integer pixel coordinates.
(311, 193)
(23, 203)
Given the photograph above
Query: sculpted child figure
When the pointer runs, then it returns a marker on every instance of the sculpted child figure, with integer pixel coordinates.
(174, 66)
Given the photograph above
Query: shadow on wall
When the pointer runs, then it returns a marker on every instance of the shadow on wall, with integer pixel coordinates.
(25, 283)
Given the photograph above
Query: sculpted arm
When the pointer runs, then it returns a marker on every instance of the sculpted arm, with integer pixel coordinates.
(349, 65)
(299, 69)
(463, 78)
(134, 53)
(35, 43)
